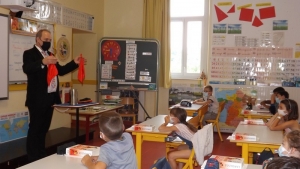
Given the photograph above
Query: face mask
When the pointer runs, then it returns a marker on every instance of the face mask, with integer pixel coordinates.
(101, 135)
(171, 120)
(205, 94)
(281, 112)
(277, 100)
(46, 45)
(283, 152)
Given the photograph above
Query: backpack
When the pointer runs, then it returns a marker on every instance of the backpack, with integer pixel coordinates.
(161, 163)
(212, 163)
(264, 155)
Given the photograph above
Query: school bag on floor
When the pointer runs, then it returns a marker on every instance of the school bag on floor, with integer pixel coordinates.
(161, 163)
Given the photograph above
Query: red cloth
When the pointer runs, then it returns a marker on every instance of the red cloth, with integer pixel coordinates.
(81, 73)
(52, 72)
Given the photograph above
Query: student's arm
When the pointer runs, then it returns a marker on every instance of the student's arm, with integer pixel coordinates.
(204, 102)
(197, 101)
(88, 162)
(276, 125)
(164, 126)
(265, 102)
(269, 123)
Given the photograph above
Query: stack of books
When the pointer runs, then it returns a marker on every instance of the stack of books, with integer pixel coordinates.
(226, 162)
(254, 121)
(141, 127)
(80, 151)
(244, 136)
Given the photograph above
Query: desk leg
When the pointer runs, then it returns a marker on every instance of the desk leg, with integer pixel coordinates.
(138, 149)
(87, 129)
(77, 124)
(245, 153)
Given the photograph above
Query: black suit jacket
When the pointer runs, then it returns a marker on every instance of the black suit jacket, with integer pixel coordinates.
(37, 87)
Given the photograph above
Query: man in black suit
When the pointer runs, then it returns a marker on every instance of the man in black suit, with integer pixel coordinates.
(40, 96)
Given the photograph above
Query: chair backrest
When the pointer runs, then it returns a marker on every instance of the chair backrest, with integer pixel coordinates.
(127, 101)
(221, 107)
(203, 109)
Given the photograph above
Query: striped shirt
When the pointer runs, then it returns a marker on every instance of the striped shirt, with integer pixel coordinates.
(184, 131)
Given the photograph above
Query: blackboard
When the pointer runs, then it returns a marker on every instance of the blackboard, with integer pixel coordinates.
(4, 25)
(128, 62)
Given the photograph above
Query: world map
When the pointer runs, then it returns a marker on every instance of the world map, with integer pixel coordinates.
(11, 129)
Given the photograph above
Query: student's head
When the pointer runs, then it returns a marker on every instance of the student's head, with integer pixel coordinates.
(282, 95)
(111, 126)
(290, 107)
(291, 144)
(208, 89)
(278, 89)
(284, 163)
(178, 115)
(43, 39)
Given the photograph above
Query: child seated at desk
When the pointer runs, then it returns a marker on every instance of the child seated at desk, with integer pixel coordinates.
(290, 148)
(286, 118)
(272, 105)
(183, 130)
(118, 152)
(213, 104)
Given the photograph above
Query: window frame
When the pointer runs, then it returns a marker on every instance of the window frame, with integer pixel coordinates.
(204, 45)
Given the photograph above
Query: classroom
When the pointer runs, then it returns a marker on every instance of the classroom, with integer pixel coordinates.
(246, 52)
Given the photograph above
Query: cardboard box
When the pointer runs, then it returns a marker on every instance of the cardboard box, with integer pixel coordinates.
(141, 127)
(244, 136)
(226, 162)
(80, 150)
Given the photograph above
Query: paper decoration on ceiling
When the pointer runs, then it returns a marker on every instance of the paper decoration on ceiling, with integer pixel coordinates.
(232, 9)
(268, 12)
(220, 14)
(246, 14)
(257, 22)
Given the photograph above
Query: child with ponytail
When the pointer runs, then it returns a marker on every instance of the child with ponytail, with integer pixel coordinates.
(183, 130)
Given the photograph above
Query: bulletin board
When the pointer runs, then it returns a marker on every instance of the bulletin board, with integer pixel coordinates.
(128, 62)
(255, 39)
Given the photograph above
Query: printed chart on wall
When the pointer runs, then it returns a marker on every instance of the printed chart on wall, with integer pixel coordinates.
(258, 39)
(129, 62)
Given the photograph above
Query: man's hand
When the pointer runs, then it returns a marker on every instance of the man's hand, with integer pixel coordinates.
(77, 59)
(49, 60)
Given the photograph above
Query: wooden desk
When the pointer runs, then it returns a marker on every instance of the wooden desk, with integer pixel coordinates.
(246, 166)
(189, 110)
(57, 162)
(90, 113)
(154, 135)
(267, 138)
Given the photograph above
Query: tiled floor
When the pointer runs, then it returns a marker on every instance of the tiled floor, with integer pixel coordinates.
(154, 150)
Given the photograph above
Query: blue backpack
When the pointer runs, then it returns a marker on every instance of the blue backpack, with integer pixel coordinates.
(212, 164)
(161, 163)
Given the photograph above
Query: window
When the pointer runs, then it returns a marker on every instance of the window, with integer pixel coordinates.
(188, 38)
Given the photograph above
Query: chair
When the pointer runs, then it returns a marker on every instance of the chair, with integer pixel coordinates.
(195, 121)
(216, 121)
(203, 146)
(128, 103)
